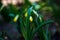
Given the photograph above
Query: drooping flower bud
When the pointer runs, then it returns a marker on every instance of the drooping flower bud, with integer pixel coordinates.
(16, 18)
(26, 14)
(31, 19)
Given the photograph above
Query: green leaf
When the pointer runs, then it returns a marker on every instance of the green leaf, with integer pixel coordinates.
(41, 25)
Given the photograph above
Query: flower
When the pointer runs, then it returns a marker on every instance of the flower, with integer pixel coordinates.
(9, 1)
(4, 2)
(32, 1)
(16, 18)
(31, 19)
(26, 14)
(14, 2)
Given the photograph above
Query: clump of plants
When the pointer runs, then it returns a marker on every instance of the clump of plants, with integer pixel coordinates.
(31, 21)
